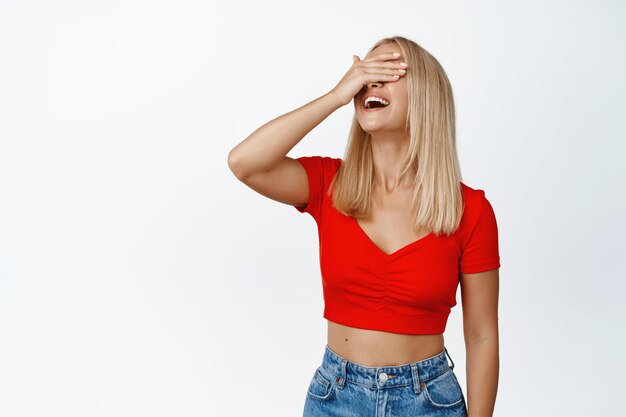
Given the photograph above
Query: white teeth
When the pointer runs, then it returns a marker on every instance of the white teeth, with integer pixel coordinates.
(374, 98)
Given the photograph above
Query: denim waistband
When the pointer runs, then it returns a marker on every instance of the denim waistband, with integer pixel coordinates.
(413, 373)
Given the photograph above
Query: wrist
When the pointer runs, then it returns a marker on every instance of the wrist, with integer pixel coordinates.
(339, 102)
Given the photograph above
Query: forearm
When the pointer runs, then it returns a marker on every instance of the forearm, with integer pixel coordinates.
(482, 369)
(270, 143)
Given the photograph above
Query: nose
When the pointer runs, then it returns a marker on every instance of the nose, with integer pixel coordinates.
(374, 84)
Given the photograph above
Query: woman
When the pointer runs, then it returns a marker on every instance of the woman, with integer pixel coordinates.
(398, 232)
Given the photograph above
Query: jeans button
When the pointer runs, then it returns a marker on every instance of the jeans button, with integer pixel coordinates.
(383, 377)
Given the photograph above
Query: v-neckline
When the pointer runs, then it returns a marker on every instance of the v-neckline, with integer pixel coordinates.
(397, 251)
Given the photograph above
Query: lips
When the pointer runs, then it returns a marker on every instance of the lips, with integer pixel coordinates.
(375, 95)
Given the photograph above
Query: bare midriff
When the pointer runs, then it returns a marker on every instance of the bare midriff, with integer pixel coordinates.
(378, 348)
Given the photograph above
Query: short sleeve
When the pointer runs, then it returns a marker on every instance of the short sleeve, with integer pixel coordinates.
(481, 250)
(319, 170)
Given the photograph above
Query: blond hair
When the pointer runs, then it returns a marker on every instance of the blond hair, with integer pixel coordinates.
(431, 160)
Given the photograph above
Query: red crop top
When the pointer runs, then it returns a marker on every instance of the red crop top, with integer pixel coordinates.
(411, 290)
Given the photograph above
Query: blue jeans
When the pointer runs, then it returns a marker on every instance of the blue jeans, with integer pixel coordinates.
(428, 387)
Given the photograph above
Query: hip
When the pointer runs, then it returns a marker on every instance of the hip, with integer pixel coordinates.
(428, 387)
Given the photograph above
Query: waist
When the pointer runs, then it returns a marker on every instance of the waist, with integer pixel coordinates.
(378, 376)
(381, 348)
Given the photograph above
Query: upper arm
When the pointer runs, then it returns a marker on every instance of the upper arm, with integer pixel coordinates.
(286, 183)
(479, 299)
(480, 250)
(479, 268)
(301, 182)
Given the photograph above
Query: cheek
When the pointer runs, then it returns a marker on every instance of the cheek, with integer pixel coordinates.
(400, 93)
(402, 103)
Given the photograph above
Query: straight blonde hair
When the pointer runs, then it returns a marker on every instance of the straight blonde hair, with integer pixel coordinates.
(431, 161)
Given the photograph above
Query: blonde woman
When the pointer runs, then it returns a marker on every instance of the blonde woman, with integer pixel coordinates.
(398, 232)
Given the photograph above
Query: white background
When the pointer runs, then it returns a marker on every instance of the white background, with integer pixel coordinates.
(139, 277)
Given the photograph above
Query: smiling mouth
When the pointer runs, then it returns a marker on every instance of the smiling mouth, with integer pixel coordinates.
(375, 106)
(375, 103)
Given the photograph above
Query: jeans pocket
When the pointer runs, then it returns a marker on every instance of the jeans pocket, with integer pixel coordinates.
(322, 385)
(444, 391)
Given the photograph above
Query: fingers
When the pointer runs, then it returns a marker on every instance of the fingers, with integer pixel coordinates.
(381, 57)
(388, 65)
(383, 78)
(381, 61)
(385, 71)
(379, 67)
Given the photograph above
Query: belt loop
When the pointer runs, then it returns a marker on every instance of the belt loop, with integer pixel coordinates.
(342, 379)
(449, 357)
(416, 378)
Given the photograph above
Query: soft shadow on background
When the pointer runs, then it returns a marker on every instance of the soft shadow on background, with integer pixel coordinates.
(139, 277)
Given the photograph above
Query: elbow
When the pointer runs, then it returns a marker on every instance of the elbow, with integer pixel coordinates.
(481, 334)
(234, 165)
